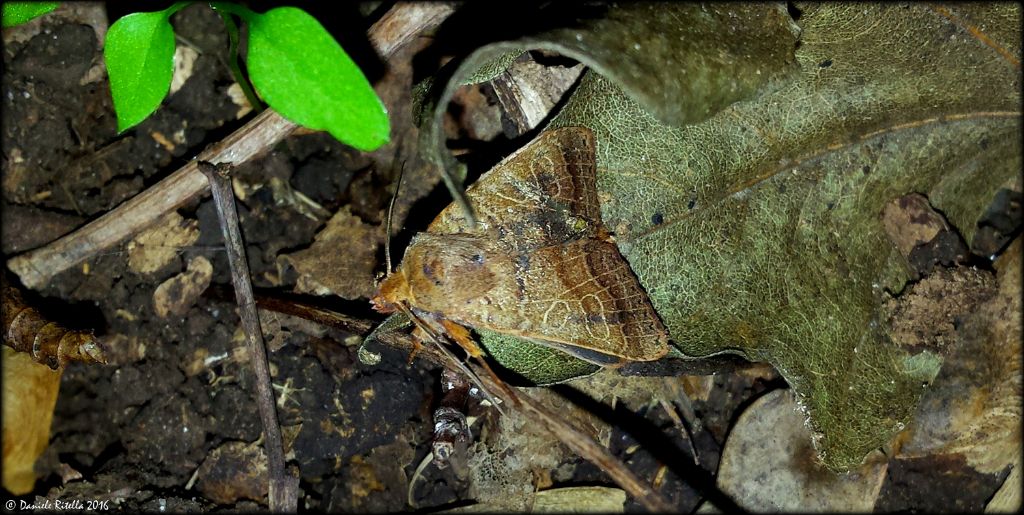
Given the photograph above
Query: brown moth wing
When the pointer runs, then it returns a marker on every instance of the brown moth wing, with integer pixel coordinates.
(585, 295)
(579, 297)
(543, 194)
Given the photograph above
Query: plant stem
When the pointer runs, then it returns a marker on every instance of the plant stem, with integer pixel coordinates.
(233, 62)
(283, 490)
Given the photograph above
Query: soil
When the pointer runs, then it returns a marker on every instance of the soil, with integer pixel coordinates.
(168, 425)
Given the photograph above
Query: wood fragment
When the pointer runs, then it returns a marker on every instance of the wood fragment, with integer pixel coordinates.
(283, 490)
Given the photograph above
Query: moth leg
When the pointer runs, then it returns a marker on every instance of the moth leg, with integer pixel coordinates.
(418, 337)
(460, 335)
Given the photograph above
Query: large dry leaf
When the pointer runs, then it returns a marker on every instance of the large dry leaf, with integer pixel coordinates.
(757, 230)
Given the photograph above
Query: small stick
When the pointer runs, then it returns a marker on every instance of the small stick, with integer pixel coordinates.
(283, 491)
(586, 447)
(573, 438)
(398, 26)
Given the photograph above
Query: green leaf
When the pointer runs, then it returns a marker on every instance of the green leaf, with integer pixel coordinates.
(302, 72)
(16, 13)
(140, 62)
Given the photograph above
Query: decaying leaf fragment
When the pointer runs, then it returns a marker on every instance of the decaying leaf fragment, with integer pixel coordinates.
(177, 294)
(539, 265)
(325, 269)
(155, 247)
(974, 407)
(29, 395)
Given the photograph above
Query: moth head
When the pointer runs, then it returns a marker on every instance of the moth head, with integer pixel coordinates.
(443, 271)
(393, 290)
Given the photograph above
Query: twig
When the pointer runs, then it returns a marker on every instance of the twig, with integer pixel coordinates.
(399, 25)
(573, 438)
(586, 447)
(283, 491)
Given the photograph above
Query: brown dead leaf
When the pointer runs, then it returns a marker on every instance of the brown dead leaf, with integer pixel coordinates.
(157, 246)
(769, 464)
(29, 395)
(234, 471)
(176, 295)
(974, 405)
(341, 259)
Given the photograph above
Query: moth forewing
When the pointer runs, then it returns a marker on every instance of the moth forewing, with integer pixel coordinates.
(536, 265)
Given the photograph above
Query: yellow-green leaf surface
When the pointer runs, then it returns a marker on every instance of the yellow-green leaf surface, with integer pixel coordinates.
(754, 221)
(302, 72)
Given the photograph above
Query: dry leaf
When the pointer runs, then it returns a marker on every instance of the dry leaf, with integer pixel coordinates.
(974, 405)
(176, 295)
(157, 246)
(341, 259)
(769, 464)
(29, 395)
(234, 471)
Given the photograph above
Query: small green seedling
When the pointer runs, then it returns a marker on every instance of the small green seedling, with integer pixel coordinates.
(295, 65)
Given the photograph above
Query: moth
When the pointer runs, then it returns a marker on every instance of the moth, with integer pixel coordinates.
(538, 264)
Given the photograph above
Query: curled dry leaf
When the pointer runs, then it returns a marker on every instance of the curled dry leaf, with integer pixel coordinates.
(29, 395)
(176, 295)
(768, 464)
(155, 247)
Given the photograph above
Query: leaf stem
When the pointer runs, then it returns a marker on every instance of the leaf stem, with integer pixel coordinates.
(233, 60)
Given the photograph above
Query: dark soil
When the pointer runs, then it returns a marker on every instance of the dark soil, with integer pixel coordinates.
(176, 394)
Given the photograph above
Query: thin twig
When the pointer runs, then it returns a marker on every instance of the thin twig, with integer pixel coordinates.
(36, 268)
(283, 491)
(573, 438)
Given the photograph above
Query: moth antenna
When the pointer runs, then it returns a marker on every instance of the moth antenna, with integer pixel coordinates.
(391, 211)
(436, 339)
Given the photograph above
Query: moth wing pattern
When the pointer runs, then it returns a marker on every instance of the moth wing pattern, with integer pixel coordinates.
(583, 294)
(538, 264)
(543, 194)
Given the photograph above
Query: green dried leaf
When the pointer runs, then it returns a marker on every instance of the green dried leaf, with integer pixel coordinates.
(681, 61)
(139, 52)
(16, 13)
(302, 72)
(535, 363)
(753, 219)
